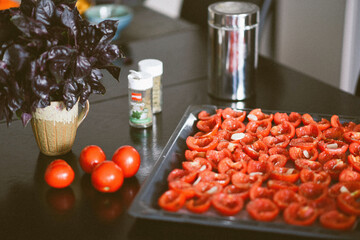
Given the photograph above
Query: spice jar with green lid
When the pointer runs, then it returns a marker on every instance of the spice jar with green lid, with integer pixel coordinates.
(155, 68)
(140, 99)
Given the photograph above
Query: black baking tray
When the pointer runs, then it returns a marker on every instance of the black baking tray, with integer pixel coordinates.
(145, 204)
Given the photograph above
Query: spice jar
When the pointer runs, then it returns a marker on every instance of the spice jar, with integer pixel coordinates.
(155, 68)
(140, 99)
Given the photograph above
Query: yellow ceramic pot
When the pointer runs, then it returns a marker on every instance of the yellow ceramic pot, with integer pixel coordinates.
(55, 128)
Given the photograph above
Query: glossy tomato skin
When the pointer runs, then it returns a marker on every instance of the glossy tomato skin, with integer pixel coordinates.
(227, 204)
(337, 220)
(91, 156)
(300, 214)
(262, 209)
(128, 159)
(107, 177)
(59, 174)
(172, 200)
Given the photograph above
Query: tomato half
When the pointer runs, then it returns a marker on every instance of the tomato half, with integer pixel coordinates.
(233, 125)
(299, 153)
(354, 161)
(278, 141)
(304, 142)
(231, 113)
(227, 204)
(348, 202)
(229, 167)
(311, 130)
(59, 174)
(300, 214)
(333, 133)
(262, 209)
(207, 188)
(284, 128)
(320, 177)
(243, 180)
(257, 191)
(191, 155)
(198, 204)
(338, 188)
(182, 175)
(260, 128)
(285, 174)
(258, 115)
(184, 187)
(172, 200)
(284, 197)
(254, 150)
(198, 165)
(201, 144)
(348, 175)
(91, 156)
(334, 168)
(107, 177)
(352, 137)
(337, 220)
(209, 125)
(308, 164)
(214, 156)
(313, 191)
(324, 204)
(243, 191)
(333, 146)
(278, 185)
(209, 176)
(128, 159)
(354, 148)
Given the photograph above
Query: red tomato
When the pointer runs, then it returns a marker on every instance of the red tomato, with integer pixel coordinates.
(198, 204)
(354, 161)
(107, 177)
(300, 214)
(260, 168)
(299, 153)
(295, 119)
(313, 191)
(325, 157)
(214, 156)
(307, 119)
(243, 191)
(336, 189)
(91, 156)
(230, 113)
(227, 204)
(243, 180)
(304, 142)
(311, 130)
(348, 202)
(198, 165)
(59, 174)
(278, 185)
(279, 117)
(257, 191)
(333, 146)
(201, 144)
(278, 141)
(334, 168)
(229, 167)
(352, 137)
(335, 121)
(278, 150)
(172, 200)
(254, 150)
(258, 115)
(209, 176)
(321, 177)
(308, 164)
(128, 159)
(324, 205)
(277, 160)
(348, 175)
(207, 188)
(182, 175)
(354, 148)
(323, 124)
(285, 174)
(284, 128)
(233, 125)
(262, 209)
(191, 155)
(260, 128)
(284, 197)
(333, 134)
(337, 220)
(209, 125)
(184, 187)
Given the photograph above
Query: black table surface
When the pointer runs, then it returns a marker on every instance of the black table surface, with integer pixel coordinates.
(29, 209)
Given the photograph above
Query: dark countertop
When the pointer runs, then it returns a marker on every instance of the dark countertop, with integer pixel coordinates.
(29, 209)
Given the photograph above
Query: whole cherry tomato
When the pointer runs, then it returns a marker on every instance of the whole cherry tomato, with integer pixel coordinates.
(128, 159)
(107, 177)
(91, 156)
(59, 174)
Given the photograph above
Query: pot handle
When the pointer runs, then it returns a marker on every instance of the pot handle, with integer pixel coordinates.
(84, 112)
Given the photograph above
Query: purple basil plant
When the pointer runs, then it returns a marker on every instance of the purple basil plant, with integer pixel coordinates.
(49, 53)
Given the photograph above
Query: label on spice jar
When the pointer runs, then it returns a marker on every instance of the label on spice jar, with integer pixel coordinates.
(140, 107)
(157, 94)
